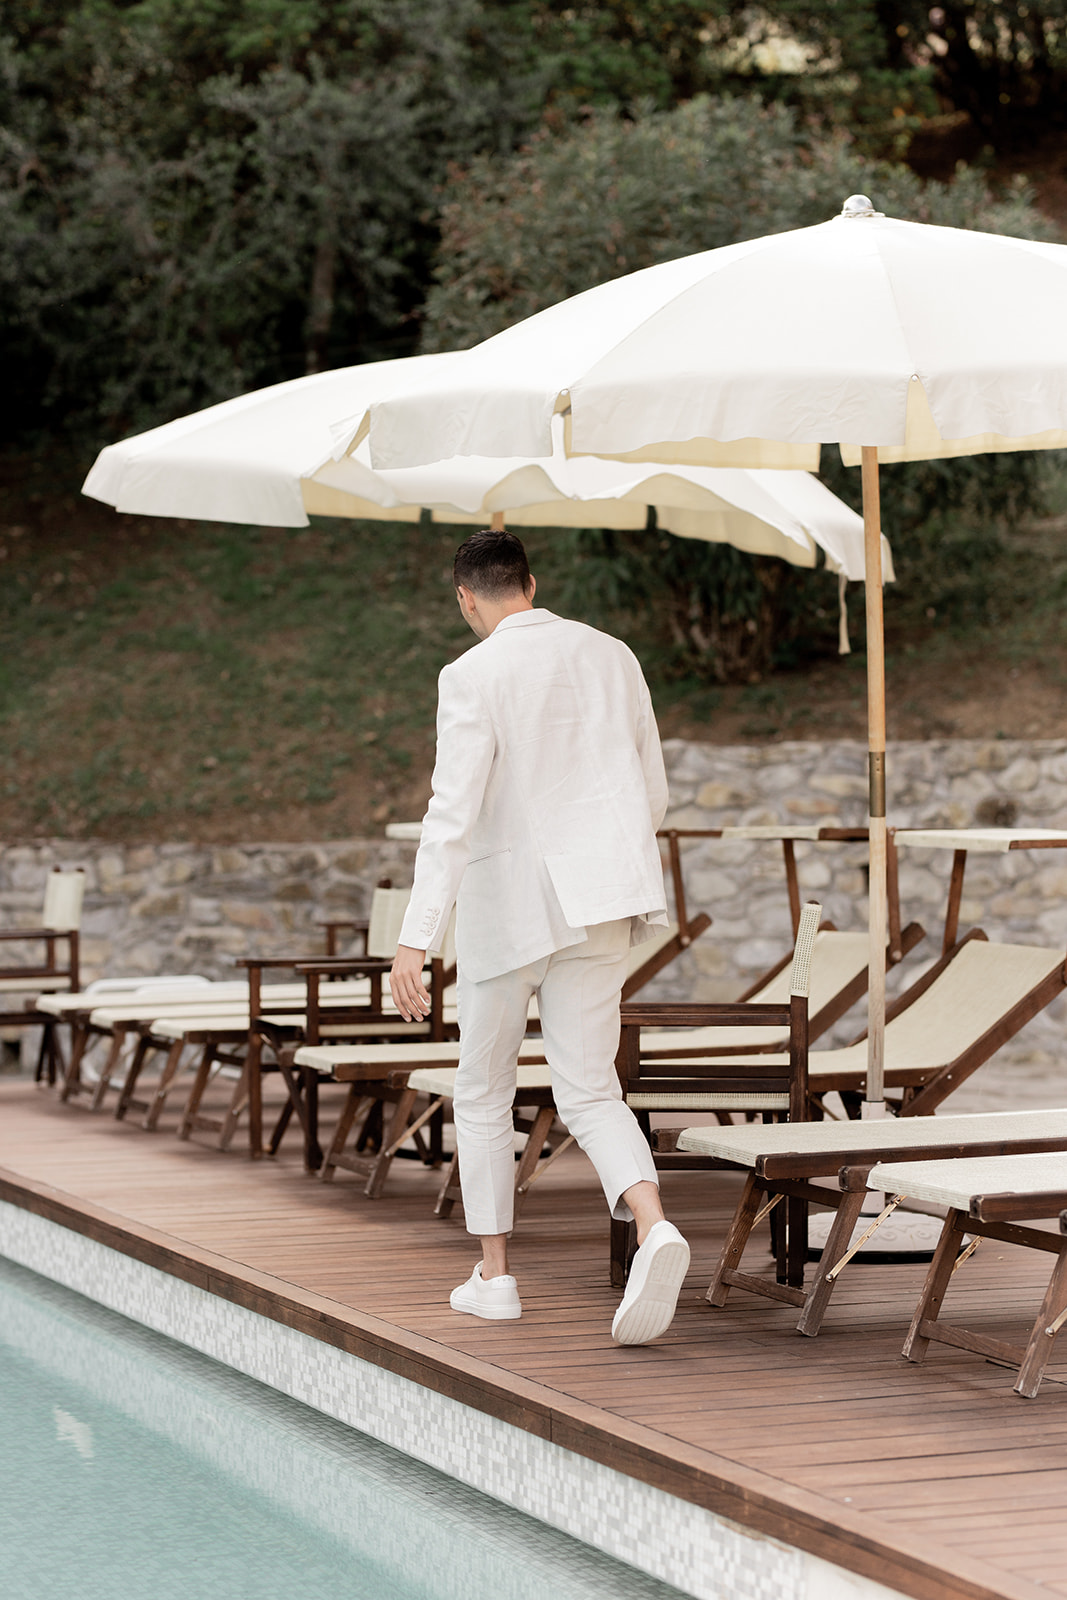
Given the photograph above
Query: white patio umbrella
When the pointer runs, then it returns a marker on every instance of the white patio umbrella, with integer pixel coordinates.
(898, 341)
(268, 458)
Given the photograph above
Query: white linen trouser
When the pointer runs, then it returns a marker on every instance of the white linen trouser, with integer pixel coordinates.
(578, 992)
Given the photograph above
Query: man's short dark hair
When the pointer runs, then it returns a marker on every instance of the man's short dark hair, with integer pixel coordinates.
(492, 564)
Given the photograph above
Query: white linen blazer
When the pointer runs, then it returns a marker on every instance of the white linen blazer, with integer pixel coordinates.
(547, 792)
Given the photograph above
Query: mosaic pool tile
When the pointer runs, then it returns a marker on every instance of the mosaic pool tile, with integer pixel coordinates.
(702, 1554)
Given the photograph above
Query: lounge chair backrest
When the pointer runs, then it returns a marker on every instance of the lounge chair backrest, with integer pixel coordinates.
(836, 959)
(976, 990)
(387, 910)
(63, 897)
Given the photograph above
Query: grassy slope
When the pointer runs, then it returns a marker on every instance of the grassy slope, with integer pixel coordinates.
(166, 679)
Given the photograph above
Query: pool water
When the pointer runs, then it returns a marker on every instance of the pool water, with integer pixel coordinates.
(133, 1467)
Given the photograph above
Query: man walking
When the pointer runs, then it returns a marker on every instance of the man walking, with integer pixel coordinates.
(547, 793)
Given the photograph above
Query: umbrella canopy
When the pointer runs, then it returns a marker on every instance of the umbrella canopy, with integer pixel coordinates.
(268, 458)
(924, 341)
(898, 341)
(245, 460)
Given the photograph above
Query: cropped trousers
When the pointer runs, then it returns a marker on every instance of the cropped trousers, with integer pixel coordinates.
(578, 991)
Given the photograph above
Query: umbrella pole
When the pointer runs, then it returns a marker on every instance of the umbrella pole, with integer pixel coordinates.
(872, 532)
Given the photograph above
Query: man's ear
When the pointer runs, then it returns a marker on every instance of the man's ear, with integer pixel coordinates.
(531, 587)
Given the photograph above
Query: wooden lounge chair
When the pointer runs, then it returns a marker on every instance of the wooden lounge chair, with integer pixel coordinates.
(651, 958)
(988, 1197)
(128, 1021)
(950, 1021)
(379, 1021)
(425, 1072)
(772, 1084)
(962, 842)
(783, 1163)
(72, 1009)
(219, 1032)
(60, 921)
(113, 1016)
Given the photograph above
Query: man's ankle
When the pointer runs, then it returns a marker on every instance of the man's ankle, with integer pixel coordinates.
(495, 1257)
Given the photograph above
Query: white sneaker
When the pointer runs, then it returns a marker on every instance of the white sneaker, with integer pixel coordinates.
(656, 1277)
(494, 1298)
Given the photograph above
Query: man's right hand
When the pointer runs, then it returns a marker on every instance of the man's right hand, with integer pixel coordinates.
(405, 982)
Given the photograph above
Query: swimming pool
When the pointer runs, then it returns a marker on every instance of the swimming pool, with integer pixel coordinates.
(131, 1466)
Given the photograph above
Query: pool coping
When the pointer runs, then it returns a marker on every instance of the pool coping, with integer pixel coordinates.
(752, 1502)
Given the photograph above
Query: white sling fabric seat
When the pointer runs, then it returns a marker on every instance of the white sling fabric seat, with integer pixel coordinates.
(115, 990)
(441, 1081)
(748, 1146)
(958, 1181)
(429, 1056)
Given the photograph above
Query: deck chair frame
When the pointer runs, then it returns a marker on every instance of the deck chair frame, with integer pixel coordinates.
(996, 1217)
(372, 1072)
(302, 1083)
(779, 1174)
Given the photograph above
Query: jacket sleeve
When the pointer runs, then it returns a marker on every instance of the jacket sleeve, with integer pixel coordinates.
(651, 754)
(466, 746)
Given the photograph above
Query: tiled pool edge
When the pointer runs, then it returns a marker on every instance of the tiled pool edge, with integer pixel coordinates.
(696, 1549)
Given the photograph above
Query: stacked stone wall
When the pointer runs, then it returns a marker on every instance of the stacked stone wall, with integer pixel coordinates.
(190, 908)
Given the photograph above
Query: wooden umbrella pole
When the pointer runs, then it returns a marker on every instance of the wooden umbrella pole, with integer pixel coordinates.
(497, 522)
(872, 536)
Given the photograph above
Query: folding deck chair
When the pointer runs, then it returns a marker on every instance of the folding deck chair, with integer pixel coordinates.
(962, 842)
(130, 1017)
(838, 979)
(951, 1020)
(380, 1022)
(771, 1084)
(60, 922)
(987, 1197)
(651, 957)
(73, 1009)
(785, 1162)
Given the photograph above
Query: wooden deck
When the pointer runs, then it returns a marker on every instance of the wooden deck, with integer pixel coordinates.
(936, 1480)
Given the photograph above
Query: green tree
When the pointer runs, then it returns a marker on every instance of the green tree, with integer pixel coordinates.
(197, 198)
(885, 65)
(615, 194)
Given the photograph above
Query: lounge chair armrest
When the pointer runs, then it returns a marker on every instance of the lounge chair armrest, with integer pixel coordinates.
(10, 934)
(344, 966)
(703, 1014)
(267, 961)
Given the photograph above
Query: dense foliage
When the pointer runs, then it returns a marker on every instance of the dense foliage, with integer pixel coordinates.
(199, 197)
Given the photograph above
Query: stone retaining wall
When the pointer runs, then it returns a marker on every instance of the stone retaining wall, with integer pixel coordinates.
(183, 907)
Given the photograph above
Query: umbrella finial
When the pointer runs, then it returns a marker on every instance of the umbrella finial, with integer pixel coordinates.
(858, 205)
